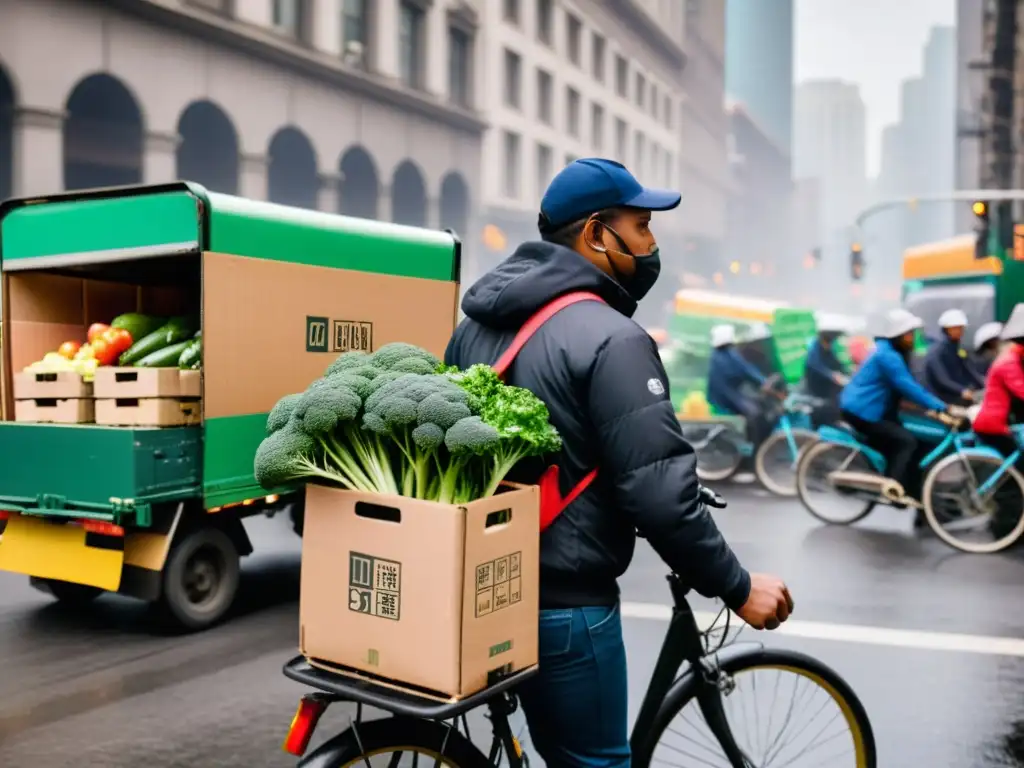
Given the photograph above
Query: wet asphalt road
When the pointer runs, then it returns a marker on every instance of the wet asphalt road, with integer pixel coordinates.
(106, 689)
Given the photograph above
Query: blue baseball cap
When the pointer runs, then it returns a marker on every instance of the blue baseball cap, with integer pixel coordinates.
(592, 184)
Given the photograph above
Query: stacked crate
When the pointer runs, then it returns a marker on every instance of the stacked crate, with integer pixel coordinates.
(57, 397)
(147, 397)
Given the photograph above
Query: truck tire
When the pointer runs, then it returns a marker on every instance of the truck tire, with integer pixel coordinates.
(68, 593)
(200, 578)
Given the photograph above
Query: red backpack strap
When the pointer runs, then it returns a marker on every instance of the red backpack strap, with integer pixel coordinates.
(531, 326)
(552, 503)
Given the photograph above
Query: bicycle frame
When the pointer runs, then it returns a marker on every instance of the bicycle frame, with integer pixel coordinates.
(1009, 461)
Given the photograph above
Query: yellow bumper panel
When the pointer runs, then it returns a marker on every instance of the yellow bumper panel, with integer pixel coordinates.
(36, 547)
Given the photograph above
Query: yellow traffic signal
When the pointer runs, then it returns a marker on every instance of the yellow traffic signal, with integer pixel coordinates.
(734, 267)
(980, 208)
(855, 248)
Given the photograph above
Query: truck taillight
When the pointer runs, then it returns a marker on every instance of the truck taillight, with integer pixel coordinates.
(5, 514)
(311, 707)
(102, 528)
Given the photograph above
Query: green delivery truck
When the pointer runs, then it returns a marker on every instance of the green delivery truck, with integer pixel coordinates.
(138, 481)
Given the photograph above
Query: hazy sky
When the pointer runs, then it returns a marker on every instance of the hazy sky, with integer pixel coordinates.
(874, 43)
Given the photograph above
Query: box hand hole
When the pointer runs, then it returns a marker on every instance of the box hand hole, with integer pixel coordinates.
(378, 512)
(126, 402)
(46, 377)
(500, 517)
(126, 376)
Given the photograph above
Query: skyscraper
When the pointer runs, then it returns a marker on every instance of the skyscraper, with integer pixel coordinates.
(759, 64)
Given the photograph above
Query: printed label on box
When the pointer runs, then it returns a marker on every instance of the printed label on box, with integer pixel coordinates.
(374, 586)
(498, 584)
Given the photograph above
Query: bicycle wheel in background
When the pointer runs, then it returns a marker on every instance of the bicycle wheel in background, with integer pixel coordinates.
(783, 708)
(819, 496)
(965, 519)
(718, 460)
(776, 460)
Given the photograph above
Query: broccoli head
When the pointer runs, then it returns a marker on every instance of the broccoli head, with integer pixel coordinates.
(287, 456)
(348, 361)
(390, 355)
(325, 404)
(281, 412)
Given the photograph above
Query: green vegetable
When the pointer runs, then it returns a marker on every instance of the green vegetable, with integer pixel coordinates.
(397, 421)
(167, 357)
(138, 325)
(192, 356)
(174, 331)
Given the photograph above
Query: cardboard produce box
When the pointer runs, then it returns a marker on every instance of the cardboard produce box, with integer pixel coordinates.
(59, 385)
(151, 412)
(53, 411)
(429, 595)
(120, 383)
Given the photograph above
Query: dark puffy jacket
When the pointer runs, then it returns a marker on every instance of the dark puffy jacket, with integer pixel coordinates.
(822, 364)
(600, 375)
(946, 371)
(728, 371)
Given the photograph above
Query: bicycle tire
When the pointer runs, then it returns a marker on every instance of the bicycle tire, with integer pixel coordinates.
(806, 458)
(929, 510)
(720, 475)
(767, 658)
(396, 734)
(802, 438)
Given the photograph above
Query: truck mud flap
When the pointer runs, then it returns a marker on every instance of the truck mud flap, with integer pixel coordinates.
(66, 552)
(145, 553)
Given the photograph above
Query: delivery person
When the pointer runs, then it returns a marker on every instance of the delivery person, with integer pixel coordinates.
(870, 402)
(824, 374)
(986, 349)
(946, 371)
(728, 372)
(600, 375)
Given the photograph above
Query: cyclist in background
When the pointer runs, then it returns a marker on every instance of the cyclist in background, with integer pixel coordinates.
(986, 349)
(870, 403)
(756, 348)
(728, 372)
(824, 374)
(946, 371)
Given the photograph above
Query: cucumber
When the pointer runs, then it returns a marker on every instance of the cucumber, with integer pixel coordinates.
(163, 358)
(192, 355)
(137, 324)
(176, 330)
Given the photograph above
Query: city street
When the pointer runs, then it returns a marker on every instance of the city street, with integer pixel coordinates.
(914, 627)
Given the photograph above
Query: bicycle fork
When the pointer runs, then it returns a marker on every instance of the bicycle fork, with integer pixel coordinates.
(716, 686)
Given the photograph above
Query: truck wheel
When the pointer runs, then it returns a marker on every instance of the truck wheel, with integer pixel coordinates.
(70, 594)
(200, 578)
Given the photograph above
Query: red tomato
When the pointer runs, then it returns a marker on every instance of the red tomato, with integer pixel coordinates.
(68, 349)
(104, 352)
(117, 339)
(95, 330)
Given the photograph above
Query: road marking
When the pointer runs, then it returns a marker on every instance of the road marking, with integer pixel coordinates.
(852, 633)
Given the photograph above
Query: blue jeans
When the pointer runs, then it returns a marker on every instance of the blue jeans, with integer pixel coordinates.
(576, 705)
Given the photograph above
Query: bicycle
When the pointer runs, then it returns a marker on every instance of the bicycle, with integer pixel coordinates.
(970, 481)
(781, 450)
(715, 671)
(856, 471)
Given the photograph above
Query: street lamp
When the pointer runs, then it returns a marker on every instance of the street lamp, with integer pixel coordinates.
(856, 262)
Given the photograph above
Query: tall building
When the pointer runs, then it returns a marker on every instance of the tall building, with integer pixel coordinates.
(971, 85)
(829, 144)
(569, 79)
(704, 134)
(367, 107)
(759, 64)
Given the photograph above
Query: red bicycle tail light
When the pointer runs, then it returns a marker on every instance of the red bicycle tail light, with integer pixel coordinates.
(303, 724)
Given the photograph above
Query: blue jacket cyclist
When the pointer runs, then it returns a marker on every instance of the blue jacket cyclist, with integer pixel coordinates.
(870, 402)
(728, 372)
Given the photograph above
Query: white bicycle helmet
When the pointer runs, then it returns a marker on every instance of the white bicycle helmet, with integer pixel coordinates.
(830, 324)
(952, 318)
(758, 331)
(1014, 327)
(986, 333)
(721, 335)
(897, 322)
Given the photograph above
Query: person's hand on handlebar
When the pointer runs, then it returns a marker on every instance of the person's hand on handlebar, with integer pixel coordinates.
(769, 603)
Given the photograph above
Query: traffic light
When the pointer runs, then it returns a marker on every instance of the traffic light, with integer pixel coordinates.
(982, 228)
(856, 262)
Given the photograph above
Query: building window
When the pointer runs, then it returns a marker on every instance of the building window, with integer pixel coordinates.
(545, 21)
(639, 147)
(668, 111)
(597, 58)
(572, 111)
(655, 168)
(220, 6)
(513, 79)
(641, 90)
(353, 32)
(460, 66)
(620, 139)
(545, 97)
(511, 11)
(574, 38)
(410, 43)
(545, 161)
(621, 76)
(570, 158)
(692, 11)
(655, 101)
(511, 178)
(286, 17)
(668, 170)
(597, 126)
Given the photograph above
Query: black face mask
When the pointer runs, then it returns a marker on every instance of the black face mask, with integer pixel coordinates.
(647, 268)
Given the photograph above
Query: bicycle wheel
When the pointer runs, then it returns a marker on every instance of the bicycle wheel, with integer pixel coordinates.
(762, 694)
(718, 460)
(775, 463)
(396, 741)
(965, 520)
(819, 496)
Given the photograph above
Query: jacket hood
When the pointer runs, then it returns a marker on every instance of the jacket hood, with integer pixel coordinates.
(533, 276)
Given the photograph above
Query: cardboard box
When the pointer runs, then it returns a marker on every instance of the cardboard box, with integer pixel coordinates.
(430, 595)
(62, 385)
(122, 383)
(153, 412)
(55, 411)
